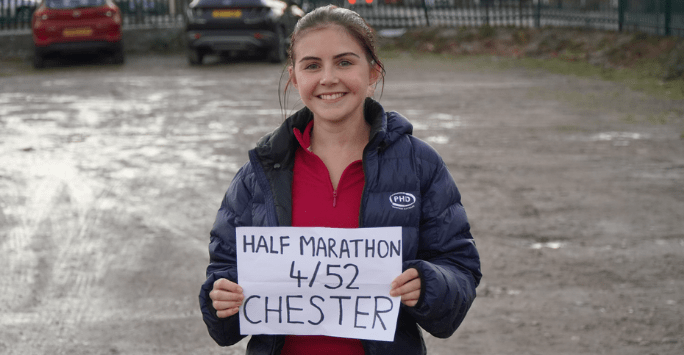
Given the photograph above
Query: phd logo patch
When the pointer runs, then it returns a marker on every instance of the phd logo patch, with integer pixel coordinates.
(402, 200)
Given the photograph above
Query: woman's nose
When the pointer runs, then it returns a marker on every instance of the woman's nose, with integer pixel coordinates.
(329, 77)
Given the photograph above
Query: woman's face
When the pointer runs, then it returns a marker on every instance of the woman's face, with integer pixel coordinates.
(331, 73)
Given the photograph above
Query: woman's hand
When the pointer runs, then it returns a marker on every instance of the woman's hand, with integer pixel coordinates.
(407, 285)
(226, 297)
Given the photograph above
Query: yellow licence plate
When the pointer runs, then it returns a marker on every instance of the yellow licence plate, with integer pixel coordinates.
(77, 32)
(226, 13)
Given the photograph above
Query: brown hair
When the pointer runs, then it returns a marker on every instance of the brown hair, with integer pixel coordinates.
(352, 22)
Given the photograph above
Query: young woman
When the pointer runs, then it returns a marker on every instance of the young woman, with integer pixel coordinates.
(335, 163)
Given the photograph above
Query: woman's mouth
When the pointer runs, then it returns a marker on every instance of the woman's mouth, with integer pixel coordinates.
(331, 96)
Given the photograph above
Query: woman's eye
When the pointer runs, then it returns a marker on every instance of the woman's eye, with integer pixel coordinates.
(311, 66)
(345, 63)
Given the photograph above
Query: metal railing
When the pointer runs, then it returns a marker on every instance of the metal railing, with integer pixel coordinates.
(659, 17)
(16, 14)
(152, 12)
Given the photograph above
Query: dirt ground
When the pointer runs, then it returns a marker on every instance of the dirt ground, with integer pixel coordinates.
(110, 177)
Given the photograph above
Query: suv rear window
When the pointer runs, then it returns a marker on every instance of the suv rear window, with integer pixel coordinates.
(73, 4)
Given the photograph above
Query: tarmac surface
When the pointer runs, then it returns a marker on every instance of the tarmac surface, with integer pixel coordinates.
(110, 178)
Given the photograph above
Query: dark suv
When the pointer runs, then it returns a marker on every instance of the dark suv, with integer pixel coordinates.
(249, 26)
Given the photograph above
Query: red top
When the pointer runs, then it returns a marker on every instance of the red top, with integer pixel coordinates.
(316, 204)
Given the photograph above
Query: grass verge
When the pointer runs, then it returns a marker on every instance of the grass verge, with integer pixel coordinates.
(650, 64)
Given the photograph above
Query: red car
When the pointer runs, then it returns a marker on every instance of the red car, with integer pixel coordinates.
(76, 26)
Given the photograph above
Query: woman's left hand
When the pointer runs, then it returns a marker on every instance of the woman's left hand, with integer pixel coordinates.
(407, 285)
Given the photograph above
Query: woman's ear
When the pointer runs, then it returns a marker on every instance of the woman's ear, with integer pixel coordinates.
(375, 73)
(293, 78)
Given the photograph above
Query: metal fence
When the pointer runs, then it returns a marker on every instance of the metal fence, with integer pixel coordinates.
(16, 14)
(660, 17)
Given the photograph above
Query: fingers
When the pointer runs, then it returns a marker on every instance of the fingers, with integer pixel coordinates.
(407, 285)
(410, 299)
(227, 285)
(225, 302)
(227, 312)
(227, 297)
(405, 277)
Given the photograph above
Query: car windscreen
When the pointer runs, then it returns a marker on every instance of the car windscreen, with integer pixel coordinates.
(73, 4)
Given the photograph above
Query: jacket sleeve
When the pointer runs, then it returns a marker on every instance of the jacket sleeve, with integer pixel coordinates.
(447, 261)
(234, 211)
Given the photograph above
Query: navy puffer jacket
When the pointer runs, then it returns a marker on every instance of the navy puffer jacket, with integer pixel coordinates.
(436, 234)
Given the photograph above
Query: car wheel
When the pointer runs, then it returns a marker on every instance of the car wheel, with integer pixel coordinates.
(38, 59)
(195, 57)
(278, 53)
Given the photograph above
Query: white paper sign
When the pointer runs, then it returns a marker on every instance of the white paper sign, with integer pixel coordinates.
(319, 281)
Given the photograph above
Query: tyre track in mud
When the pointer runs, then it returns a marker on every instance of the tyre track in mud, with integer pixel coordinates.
(64, 277)
(62, 207)
(65, 264)
(84, 214)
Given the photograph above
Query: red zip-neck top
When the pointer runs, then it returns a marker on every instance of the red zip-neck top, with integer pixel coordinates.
(316, 204)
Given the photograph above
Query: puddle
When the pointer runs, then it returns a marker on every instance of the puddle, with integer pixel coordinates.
(618, 139)
(392, 33)
(438, 139)
(435, 121)
(446, 121)
(548, 245)
(120, 132)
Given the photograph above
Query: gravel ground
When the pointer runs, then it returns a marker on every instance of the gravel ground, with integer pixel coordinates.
(110, 177)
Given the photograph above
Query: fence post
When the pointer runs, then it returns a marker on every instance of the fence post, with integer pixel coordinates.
(537, 15)
(621, 14)
(425, 8)
(668, 17)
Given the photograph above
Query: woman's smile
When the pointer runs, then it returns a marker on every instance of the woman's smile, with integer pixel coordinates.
(328, 97)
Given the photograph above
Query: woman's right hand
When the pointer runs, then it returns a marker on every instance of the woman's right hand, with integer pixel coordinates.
(226, 297)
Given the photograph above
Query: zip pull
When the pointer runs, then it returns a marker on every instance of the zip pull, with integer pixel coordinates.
(334, 198)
